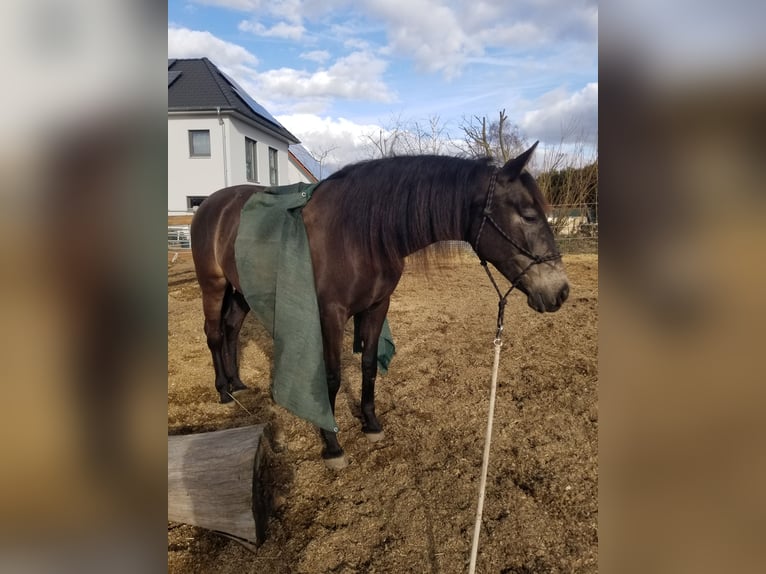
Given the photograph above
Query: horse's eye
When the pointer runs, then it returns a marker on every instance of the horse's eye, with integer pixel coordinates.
(529, 216)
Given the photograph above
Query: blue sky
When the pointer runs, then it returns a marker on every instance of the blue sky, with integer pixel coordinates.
(337, 71)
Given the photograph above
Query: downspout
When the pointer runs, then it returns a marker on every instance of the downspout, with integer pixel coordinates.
(225, 157)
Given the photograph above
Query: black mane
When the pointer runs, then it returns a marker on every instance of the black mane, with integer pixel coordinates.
(394, 206)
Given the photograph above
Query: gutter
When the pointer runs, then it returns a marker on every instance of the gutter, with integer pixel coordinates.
(223, 142)
(261, 124)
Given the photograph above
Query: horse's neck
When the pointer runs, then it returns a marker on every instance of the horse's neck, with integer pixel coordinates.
(433, 239)
(440, 225)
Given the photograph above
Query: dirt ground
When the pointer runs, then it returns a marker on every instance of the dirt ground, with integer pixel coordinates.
(408, 504)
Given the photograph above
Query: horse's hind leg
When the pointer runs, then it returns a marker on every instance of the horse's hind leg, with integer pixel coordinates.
(213, 295)
(235, 311)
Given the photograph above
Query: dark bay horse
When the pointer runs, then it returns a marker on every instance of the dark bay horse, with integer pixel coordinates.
(361, 223)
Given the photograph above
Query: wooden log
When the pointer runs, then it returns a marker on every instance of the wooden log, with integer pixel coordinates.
(219, 481)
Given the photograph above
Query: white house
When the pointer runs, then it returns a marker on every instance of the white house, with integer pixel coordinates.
(219, 136)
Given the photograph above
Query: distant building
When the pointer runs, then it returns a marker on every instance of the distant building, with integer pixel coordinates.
(219, 136)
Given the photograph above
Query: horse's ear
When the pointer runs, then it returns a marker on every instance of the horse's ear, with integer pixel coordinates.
(513, 167)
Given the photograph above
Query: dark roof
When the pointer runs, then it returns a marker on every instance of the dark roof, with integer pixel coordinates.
(307, 161)
(198, 85)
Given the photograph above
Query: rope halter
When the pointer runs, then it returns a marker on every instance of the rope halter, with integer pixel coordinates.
(534, 259)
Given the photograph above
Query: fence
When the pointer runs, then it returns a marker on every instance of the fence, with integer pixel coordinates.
(575, 228)
(577, 244)
(178, 238)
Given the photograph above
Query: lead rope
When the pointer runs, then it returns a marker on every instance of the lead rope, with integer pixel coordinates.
(498, 342)
(240, 404)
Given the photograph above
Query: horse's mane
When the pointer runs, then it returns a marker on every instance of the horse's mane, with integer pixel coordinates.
(392, 206)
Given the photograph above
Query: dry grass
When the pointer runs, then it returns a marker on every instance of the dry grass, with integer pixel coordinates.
(407, 504)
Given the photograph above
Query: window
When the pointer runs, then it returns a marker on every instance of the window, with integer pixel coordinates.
(273, 167)
(251, 161)
(194, 201)
(199, 143)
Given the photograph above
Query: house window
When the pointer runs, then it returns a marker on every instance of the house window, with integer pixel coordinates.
(251, 163)
(194, 201)
(273, 167)
(199, 143)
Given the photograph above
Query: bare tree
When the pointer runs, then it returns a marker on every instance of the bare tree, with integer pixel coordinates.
(416, 137)
(386, 142)
(429, 137)
(569, 181)
(381, 144)
(321, 156)
(498, 139)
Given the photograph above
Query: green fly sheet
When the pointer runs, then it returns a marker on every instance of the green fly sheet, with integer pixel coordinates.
(277, 280)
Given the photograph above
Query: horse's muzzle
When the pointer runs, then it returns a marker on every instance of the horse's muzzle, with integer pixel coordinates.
(548, 300)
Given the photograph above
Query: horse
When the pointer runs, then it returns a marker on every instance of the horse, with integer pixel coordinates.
(361, 223)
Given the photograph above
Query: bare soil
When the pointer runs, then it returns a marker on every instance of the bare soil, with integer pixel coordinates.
(408, 503)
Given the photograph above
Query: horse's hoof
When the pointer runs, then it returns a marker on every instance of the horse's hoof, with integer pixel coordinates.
(337, 463)
(375, 436)
(226, 399)
(238, 386)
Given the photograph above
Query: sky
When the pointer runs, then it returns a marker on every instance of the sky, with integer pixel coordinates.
(337, 72)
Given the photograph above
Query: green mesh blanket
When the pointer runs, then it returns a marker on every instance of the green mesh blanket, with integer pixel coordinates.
(277, 280)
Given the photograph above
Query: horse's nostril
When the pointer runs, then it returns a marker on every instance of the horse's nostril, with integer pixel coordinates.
(564, 293)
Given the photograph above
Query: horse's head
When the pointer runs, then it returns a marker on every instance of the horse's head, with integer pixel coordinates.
(511, 231)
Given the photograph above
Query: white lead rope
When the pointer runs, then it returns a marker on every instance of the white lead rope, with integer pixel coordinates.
(485, 459)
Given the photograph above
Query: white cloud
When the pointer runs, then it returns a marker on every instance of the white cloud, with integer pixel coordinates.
(319, 56)
(185, 43)
(518, 34)
(438, 36)
(441, 37)
(242, 5)
(357, 76)
(356, 44)
(561, 115)
(291, 10)
(343, 141)
(562, 20)
(278, 30)
(427, 31)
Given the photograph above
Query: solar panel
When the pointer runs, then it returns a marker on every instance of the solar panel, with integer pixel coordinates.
(172, 76)
(251, 103)
(305, 157)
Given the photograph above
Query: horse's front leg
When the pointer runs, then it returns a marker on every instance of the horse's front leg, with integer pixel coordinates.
(332, 453)
(332, 339)
(370, 325)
